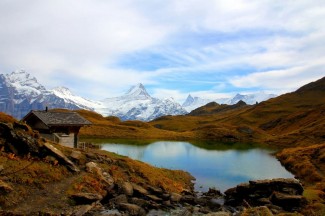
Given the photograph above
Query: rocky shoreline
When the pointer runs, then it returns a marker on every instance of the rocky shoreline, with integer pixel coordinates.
(269, 197)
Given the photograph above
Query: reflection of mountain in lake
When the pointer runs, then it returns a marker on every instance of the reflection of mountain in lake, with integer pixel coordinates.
(221, 168)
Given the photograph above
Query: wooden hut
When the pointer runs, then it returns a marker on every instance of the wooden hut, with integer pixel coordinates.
(60, 127)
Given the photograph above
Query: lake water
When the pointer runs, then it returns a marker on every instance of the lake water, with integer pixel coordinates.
(213, 165)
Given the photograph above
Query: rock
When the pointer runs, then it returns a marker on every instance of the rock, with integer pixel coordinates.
(259, 191)
(188, 199)
(76, 155)
(127, 188)
(154, 190)
(213, 192)
(18, 142)
(61, 157)
(92, 167)
(287, 202)
(4, 187)
(137, 189)
(86, 198)
(175, 197)
(82, 210)
(122, 198)
(132, 209)
(262, 210)
(1, 168)
(139, 202)
(214, 204)
(154, 198)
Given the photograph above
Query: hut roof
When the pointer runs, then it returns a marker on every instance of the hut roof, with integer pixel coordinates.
(54, 118)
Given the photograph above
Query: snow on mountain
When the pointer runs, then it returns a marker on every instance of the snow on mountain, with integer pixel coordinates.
(69, 97)
(251, 98)
(192, 103)
(21, 92)
(138, 104)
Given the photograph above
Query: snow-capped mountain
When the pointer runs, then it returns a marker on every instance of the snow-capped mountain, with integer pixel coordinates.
(191, 103)
(251, 98)
(69, 97)
(20, 92)
(138, 104)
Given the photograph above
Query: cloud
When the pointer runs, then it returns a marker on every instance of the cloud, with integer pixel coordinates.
(100, 48)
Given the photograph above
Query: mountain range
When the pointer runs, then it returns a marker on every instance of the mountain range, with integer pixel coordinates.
(21, 92)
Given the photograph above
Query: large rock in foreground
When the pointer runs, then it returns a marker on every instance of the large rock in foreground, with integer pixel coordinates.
(286, 193)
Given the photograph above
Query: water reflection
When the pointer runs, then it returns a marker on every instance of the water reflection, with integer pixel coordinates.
(219, 167)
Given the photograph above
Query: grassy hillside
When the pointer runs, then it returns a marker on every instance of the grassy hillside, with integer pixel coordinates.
(292, 119)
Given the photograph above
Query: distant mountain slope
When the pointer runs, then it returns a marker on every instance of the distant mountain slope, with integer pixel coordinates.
(213, 108)
(137, 104)
(191, 103)
(292, 119)
(21, 92)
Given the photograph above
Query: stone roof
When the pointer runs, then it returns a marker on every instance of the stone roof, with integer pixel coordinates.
(52, 118)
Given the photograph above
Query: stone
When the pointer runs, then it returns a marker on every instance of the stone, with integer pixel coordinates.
(214, 204)
(86, 198)
(139, 202)
(61, 157)
(188, 199)
(122, 198)
(127, 188)
(76, 155)
(4, 187)
(154, 198)
(92, 167)
(82, 210)
(286, 201)
(175, 197)
(132, 209)
(258, 192)
(1, 168)
(137, 189)
(154, 190)
(261, 210)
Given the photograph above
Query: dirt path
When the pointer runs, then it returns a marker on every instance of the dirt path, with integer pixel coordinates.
(53, 198)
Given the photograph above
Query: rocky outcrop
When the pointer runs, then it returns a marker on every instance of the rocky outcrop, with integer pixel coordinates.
(284, 193)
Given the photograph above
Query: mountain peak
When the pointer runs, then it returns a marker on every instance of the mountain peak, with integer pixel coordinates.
(138, 91)
(189, 100)
(22, 79)
(63, 90)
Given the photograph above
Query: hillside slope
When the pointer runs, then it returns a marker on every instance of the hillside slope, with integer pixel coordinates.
(291, 119)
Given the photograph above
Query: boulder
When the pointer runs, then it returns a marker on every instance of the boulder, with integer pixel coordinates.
(280, 192)
(93, 167)
(286, 201)
(76, 155)
(132, 209)
(154, 198)
(122, 198)
(86, 198)
(175, 197)
(127, 188)
(138, 190)
(61, 157)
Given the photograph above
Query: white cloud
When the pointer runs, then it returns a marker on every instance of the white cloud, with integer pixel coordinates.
(81, 42)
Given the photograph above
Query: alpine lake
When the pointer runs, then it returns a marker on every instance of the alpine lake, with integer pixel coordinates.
(213, 164)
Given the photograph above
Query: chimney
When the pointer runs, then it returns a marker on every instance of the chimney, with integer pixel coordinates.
(46, 109)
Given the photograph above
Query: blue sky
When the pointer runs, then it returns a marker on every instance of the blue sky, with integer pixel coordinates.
(209, 48)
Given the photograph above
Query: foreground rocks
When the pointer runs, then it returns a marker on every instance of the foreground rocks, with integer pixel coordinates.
(277, 194)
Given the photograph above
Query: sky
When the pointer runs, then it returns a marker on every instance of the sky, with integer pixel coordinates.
(208, 48)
